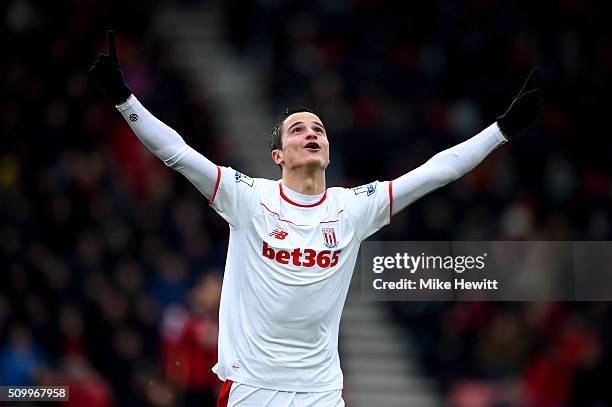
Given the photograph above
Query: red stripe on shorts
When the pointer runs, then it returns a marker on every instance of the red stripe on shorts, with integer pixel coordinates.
(224, 393)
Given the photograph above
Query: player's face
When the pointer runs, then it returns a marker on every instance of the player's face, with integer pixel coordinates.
(305, 142)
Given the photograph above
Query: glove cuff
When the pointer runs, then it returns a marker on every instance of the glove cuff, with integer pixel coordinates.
(504, 127)
(120, 94)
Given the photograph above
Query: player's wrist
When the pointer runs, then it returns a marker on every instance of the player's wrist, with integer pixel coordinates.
(120, 94)
(124, 102)
(503, 133)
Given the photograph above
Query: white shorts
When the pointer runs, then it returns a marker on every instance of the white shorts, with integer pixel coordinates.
(242, 395)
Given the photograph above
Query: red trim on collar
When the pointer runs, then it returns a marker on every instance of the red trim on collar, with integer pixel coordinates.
(286, 198)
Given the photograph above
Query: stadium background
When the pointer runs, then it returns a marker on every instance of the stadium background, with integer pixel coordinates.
(111, 263)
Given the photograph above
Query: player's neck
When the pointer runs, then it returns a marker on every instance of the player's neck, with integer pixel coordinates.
(304, 182)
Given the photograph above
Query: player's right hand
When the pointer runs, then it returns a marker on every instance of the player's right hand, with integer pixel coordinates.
(107, 73)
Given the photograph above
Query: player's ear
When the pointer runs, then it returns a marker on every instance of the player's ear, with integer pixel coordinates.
(277, 156)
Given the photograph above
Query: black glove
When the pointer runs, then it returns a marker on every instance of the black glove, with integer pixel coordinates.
(108, 74)
(524, 108)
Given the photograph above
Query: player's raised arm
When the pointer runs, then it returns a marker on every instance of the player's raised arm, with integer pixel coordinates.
(159, 138)
(453, 163)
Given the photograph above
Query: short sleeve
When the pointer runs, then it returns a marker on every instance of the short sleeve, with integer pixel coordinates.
(369, 207)
(234, 195)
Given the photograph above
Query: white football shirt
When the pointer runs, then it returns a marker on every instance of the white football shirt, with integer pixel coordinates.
(291, 256)
(289, 264)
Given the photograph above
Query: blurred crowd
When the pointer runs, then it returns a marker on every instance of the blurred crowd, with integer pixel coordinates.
(486, 354)
(111, 263)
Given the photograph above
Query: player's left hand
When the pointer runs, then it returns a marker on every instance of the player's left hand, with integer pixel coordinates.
(524, 108)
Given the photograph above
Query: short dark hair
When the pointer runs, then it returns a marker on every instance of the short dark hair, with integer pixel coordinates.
(276, 137)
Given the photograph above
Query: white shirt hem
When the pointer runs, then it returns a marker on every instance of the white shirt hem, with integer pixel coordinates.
(309, 388)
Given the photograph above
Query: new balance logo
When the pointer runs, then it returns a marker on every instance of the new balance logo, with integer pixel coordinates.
(278, 234)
